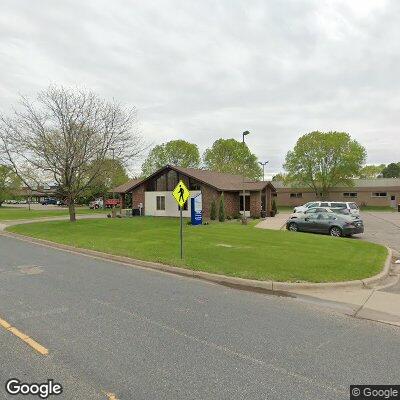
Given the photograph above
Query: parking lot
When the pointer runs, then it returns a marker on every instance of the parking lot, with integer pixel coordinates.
(383, 228)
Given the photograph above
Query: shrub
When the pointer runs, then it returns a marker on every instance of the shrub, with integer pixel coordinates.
(221, 213)
(213, 211)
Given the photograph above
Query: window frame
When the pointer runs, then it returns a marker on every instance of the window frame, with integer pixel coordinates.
(160, 203)
(350, 195)
(378, 194)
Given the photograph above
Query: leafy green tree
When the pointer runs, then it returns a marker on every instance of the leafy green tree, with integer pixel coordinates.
(9, 181)
(221, 211)
(176, 152)
(213, 211)
(111, 173)
(232, 156)
(392, 171)
(322, 160)
(279, 177)
(371, 171)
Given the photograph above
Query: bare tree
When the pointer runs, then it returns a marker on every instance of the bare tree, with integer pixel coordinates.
(65, 133)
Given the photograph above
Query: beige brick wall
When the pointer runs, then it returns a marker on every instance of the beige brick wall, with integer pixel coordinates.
(364, 196)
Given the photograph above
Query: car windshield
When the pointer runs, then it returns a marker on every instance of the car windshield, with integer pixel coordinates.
(339, 205)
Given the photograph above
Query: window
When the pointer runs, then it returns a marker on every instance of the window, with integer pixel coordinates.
(350, 194)
(324, 204)
(160, 203)
(247, 203)
(379, 194)
(338, 205)
(296, 195)
(274, 194)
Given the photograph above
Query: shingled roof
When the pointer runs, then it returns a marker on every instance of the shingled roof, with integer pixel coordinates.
(219, 180)
(127, 186)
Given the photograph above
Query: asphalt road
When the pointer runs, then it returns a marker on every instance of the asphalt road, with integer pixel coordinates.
(143, 334)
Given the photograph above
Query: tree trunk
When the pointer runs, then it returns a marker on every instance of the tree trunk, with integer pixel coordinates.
(71, 209)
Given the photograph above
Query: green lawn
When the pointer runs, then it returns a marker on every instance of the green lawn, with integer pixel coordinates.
(13, 213)
(228, 248)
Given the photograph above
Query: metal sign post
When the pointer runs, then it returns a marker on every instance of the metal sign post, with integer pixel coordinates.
(181, 233)
(181, 194)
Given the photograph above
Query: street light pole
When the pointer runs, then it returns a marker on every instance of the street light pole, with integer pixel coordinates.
(263, 165)
(113, 194)
(244, 219)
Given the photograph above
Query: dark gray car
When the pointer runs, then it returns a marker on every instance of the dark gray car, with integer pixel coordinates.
(326, 222)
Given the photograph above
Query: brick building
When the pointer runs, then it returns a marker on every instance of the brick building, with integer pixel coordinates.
(153, 194)
(364, 192)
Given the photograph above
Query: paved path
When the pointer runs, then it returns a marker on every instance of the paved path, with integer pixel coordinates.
(143, 334)
(276, 223)
(5, 223)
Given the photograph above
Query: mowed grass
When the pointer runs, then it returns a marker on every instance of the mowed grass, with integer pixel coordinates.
(222, 248)
(15, 213)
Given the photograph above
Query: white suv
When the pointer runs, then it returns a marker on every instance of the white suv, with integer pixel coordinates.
(351, 207)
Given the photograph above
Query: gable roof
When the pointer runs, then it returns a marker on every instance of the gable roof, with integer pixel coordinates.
(127, 186)
(218, 180)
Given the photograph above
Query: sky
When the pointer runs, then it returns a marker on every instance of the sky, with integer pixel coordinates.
(202, 70)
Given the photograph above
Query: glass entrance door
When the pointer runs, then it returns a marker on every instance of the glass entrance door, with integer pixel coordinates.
(247, 204)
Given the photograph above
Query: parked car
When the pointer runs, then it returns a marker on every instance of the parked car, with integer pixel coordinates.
(46, 202)
(350, 206)
(113, 203)
(62, 203)
(341, 211)
(96, 204)
(326, 222)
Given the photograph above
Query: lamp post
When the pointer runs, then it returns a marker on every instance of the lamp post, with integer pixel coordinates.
(263, 165)
(244, 219)
(113, 194)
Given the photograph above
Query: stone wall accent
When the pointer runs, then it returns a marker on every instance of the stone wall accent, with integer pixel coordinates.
(138, 197)
(255, 204)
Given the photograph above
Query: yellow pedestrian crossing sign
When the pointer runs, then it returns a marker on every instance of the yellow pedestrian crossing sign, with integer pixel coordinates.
(181, 193)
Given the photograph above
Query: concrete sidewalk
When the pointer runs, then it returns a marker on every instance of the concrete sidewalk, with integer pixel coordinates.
(369, 303)
(278, 222)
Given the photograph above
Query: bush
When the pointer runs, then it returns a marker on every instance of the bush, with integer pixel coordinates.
(228, 217)
(221, 214)
(213, 211)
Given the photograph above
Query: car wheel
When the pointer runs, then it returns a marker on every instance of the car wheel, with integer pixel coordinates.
(335, 231)
(293, 227)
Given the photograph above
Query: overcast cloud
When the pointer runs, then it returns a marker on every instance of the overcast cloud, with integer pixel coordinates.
(200, 70)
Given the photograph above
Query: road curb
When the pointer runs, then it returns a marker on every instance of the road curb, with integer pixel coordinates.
(283, 288)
